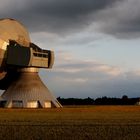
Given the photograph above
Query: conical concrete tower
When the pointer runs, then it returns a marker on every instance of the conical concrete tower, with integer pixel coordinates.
(28, 91)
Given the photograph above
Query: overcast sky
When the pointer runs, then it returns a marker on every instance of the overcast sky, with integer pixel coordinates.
(96, 44)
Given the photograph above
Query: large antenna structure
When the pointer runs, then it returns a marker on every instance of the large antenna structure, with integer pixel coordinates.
(20, 61)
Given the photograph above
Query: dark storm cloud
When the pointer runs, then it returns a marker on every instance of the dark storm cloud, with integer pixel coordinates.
(119, 18)
(54, 15)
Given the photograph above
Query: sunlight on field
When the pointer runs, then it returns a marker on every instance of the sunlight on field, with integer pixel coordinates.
(71, 122)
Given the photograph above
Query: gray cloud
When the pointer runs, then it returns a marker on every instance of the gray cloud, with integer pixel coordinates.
(121, 20)
(84, 82)
(53, 15)
(79, 78)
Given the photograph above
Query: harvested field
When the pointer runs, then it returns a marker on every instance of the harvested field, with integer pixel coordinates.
(73, 122)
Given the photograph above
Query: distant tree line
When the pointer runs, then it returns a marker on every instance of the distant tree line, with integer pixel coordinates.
(99, 101)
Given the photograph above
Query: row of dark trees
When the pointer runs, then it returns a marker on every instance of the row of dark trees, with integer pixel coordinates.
(99, 101)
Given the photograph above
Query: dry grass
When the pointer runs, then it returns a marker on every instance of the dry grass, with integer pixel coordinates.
(73, 122)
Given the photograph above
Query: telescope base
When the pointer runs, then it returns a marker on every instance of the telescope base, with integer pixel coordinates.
(28, 91)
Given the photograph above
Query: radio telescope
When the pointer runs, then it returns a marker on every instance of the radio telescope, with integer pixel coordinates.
(20, 61)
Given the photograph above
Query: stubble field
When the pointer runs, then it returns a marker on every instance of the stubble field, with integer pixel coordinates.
(68, 123)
